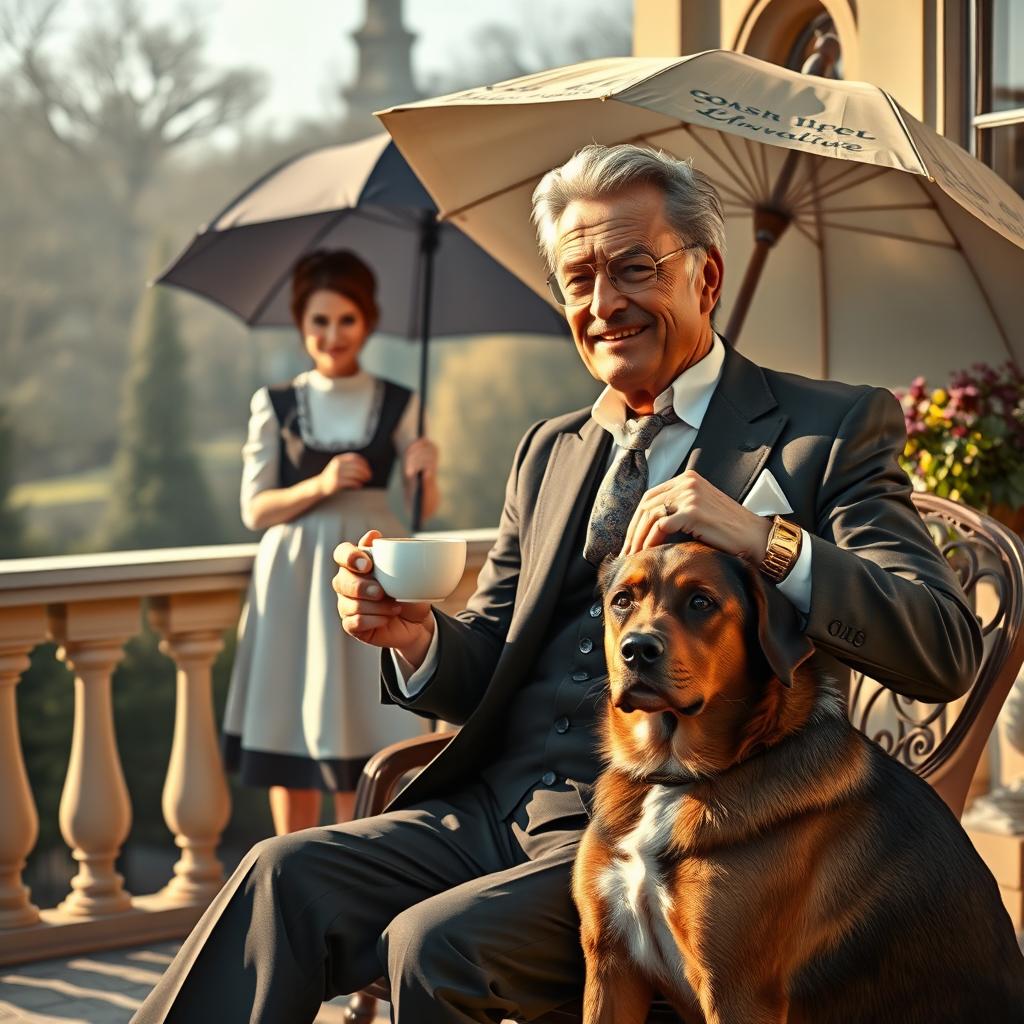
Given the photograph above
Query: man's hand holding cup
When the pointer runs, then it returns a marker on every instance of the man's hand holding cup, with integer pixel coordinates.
(415, 571)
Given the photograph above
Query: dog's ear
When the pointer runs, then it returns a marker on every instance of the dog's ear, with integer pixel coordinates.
(784, 644)
(607, 571)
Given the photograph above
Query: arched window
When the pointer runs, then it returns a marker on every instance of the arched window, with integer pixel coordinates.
(796, 34)
(809, 40)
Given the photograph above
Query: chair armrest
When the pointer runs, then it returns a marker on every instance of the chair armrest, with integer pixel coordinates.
(386, 769)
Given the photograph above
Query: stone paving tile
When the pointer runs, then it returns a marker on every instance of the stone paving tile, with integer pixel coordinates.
(102, 988)
(78, 1011)
(19, 991)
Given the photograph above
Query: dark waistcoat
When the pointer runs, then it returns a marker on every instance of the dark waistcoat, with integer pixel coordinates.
(550, 734)
(300, 461)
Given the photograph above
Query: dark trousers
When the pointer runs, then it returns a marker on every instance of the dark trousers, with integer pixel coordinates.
(468, 916)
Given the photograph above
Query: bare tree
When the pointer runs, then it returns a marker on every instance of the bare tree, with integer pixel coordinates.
(498, 51)
(128, 93)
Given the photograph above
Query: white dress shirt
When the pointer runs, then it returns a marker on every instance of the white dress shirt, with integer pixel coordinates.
(689, 395)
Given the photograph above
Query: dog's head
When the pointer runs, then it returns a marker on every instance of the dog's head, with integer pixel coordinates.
(702, 657)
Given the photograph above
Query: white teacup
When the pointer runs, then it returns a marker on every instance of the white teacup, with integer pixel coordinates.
(418, 569)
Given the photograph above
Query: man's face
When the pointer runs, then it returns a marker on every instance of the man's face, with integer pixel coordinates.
(637, 343)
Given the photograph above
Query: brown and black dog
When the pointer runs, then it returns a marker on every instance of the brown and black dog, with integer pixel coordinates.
(752, 857)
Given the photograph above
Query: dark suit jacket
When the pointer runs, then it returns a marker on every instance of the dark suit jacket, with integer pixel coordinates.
(883, 599)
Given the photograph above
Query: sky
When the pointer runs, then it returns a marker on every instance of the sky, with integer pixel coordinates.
(304, 46)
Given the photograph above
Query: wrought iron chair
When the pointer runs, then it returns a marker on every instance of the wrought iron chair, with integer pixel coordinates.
(942, 743)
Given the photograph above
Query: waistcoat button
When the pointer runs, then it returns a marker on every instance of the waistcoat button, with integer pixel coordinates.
(595, 610)
(586, 645)
(580, 677)
(562, 725)
(548, 778)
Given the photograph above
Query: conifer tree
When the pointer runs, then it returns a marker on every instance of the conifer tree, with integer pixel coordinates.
(159, 497)
(11, 524)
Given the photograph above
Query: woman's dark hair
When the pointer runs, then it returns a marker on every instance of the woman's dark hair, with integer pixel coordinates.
(335, 270)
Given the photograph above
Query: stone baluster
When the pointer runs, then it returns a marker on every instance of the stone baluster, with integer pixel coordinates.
(95, 811)
(21, 629)
(196, 803)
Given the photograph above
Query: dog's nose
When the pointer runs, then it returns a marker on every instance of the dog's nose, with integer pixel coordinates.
(641, 647)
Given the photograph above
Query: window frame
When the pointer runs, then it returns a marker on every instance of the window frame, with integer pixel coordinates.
(979, 65)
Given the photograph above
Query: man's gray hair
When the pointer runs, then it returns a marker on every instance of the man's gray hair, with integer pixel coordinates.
(692, 205)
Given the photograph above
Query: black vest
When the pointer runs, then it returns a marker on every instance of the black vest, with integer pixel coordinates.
(550, 733)
(300, 461)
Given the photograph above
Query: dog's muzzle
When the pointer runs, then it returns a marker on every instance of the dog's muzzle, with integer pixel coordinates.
(639, 650)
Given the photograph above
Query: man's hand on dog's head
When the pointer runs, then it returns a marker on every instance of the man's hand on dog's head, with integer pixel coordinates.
(690, 504)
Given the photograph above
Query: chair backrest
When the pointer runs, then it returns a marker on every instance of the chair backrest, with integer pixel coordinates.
(943, 743)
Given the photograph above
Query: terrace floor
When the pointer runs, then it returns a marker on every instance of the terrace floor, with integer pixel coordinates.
(100, 988)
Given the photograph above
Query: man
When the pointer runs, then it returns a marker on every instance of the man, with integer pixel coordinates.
(460, 894)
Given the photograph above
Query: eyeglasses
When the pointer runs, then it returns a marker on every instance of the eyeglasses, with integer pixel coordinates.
(627, 274)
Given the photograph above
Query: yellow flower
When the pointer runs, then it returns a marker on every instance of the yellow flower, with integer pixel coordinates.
(939, 396)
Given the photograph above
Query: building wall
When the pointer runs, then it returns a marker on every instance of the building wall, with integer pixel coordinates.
(912, 49)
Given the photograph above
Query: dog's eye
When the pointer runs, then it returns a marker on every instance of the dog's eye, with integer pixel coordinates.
(623, 599)
(701, 603)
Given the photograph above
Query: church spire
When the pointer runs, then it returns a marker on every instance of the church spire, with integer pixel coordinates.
(384, 67)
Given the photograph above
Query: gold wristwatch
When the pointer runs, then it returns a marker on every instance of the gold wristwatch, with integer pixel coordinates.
(783, 549)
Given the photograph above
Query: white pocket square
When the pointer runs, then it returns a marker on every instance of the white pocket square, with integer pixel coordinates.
(766, 497)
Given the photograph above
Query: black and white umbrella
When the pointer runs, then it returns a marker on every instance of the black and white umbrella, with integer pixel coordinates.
(432, 280)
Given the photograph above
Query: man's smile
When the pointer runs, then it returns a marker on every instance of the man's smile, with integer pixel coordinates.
(620, 334)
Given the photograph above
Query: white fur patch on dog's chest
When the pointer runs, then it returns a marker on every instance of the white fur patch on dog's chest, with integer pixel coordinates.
(638, 899)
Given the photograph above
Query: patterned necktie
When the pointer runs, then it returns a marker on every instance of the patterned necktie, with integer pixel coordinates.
(622, 488)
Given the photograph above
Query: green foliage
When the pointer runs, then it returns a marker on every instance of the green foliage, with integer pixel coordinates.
(159, 496)
(11, 525)
(966, 442)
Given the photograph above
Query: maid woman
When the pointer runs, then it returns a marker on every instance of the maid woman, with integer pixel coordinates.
(303, 712)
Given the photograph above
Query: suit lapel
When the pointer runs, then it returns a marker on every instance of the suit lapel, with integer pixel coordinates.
(576, 461)
(742, 423)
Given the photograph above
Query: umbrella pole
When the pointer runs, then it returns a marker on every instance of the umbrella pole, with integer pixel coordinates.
(428, 247)
(772, 219)
(770, 222)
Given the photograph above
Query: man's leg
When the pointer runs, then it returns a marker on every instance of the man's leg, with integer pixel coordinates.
(299, 921)
(506, 945)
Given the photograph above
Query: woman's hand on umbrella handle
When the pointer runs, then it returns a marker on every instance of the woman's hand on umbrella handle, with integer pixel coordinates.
(345, 472)
(368, 614)
(421, 457)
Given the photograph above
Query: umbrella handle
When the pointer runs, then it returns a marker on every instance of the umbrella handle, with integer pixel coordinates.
(428, 247)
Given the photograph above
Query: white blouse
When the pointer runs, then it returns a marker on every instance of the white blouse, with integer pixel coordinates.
(334, 413)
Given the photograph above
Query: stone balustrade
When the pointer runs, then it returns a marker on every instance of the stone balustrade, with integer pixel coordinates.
(90, 606)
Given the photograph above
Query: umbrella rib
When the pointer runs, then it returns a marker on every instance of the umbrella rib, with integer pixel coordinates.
(714, 156)
(797, 189)
(876, 209)
(823, 337)
(763, 183)
(807, 233)
(497, 193)
(938, 242)
(250, 320)
(974, 273)
(822, 196)
(809, 187)
(763, 150)
(741, 170)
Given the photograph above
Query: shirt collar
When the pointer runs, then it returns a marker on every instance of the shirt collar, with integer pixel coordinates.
(689, 394)
(334, 385)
